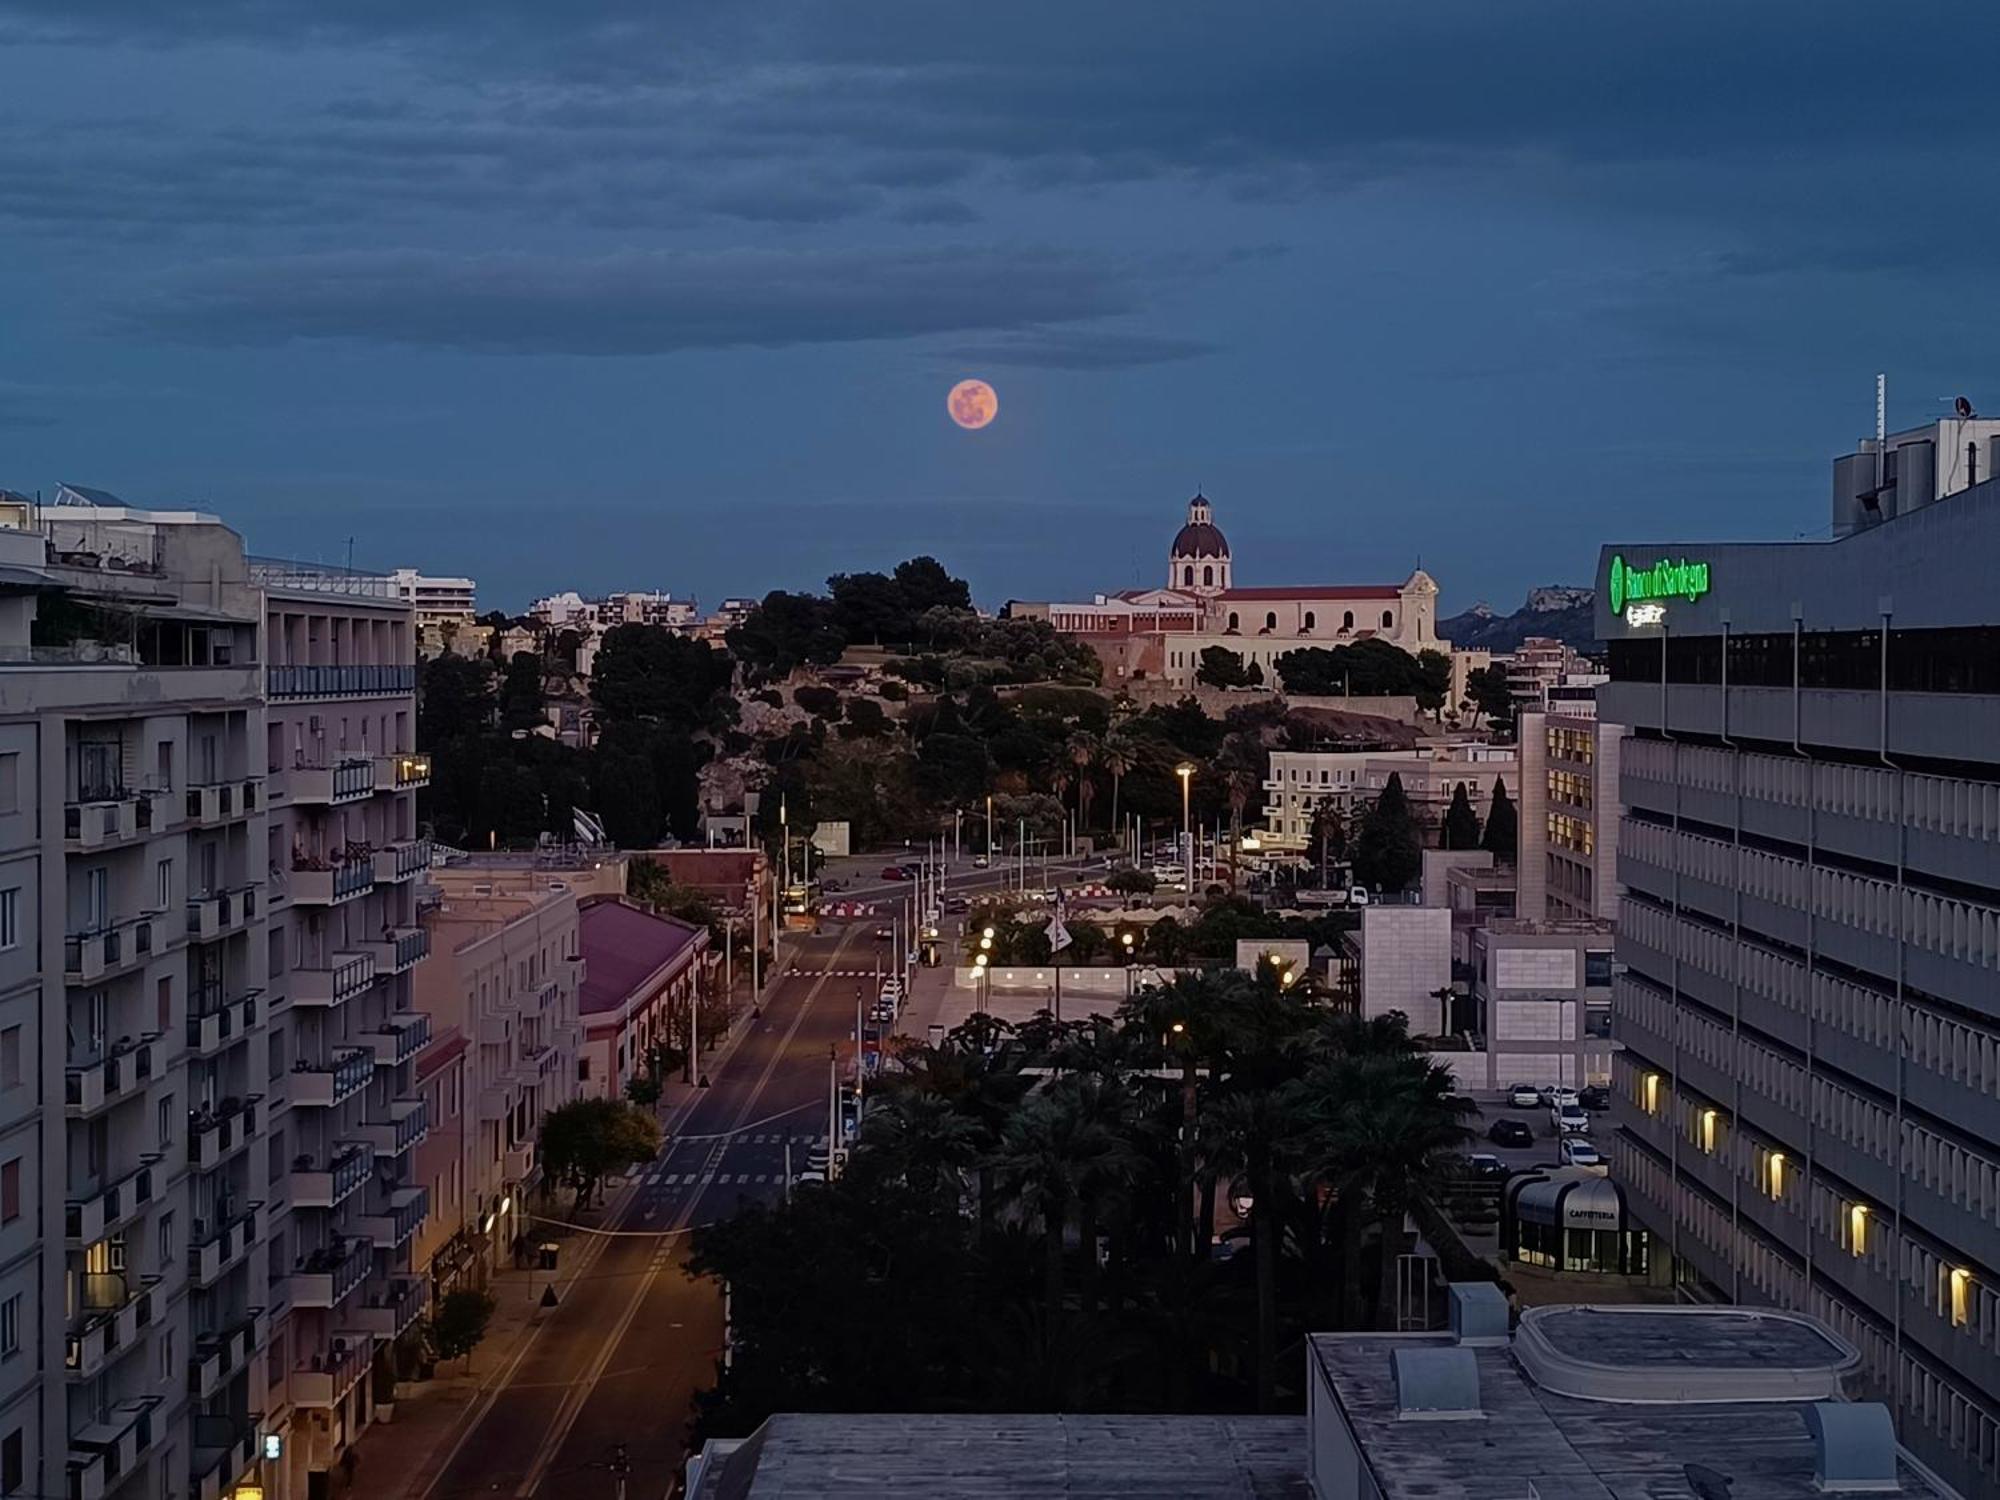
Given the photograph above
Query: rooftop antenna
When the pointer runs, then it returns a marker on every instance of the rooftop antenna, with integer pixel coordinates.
(1881, 426)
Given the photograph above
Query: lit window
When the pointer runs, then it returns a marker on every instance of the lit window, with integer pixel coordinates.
(1961, 1296)
(1652, 1093)
(1774, 1174)
(1857, 1229)
(1708, 1130)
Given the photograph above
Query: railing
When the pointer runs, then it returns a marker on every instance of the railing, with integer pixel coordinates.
(408, 772)
(90, 1217)
(212, 1021)
(402, 861)
(318, 1086)
(214, 1135)
(114, 1309)
(402, 1217)
(219, 1354)
(346, 780)
(217, 801)
(326, 1186)
(402, 948)
(104, 1453)
(399, 1043)
(325, 1378)
(223, 1451)
(90, 955)
(338, 682)
(408, 1123)
(389, 1309)
(348, 975)
(326, 1277)
(329, 886)
(211, 915)
(209, 1258)
(89, 1086)
(107, 815)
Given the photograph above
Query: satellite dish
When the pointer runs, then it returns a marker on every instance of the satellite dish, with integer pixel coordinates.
(1963, 407)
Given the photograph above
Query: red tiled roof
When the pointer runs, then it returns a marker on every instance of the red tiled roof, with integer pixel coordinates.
(1321, 591)
(441, 1051)
(622, 947)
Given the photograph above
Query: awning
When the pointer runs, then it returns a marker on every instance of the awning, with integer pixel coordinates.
(1571, 1197)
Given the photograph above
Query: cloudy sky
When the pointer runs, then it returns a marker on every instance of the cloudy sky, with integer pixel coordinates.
(643, 293)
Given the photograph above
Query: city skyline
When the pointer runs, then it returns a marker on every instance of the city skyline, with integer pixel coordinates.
(1388, 282)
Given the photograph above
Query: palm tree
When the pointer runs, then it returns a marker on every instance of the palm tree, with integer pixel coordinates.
(922, 1139)
(1117, 755)
(1083, 752)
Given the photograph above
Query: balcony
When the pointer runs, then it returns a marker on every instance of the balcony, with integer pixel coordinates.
(329, 786)
(217, 915)
(219, 1355)
(326, 1278)
(103, 1454)
(338, 682)
(404, 860)
(106, 817)
(324, 1086)
(326, 1377)
(391, 1307)
(402, 773)
(331, 885)
(402, 948)
(329, 1184)
(106, 951)
(347, 975)
(497, 1100)
(399, 1220)
(114, 1309)
(209, 1258)
(408, 1121)
(96, 1214)
(121, 1073)
(210, 803)
(400, 1038)
(534, 1065)
(496, 1030)
(213, 1023)
(224, 1451)
(216, 1135)
(519, 1164)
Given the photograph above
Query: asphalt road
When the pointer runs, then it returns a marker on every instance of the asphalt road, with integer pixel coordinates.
(620, 1360)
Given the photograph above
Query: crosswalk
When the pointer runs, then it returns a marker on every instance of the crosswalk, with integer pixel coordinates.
(795, 970)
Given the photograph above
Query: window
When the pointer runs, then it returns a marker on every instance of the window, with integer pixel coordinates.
(10, 918)
(1233, 625)
(1311, 619)
(10, 1326)
(163, 1003)
(163, 884)
(166, 1240)
(1208, 575)
(10, 1058)
(1270, 619)
(166, 1121)
(13, 1465)
(10, 1191)
(10, 782)
(1187, 574)
(1388, 619)
(1347, 619)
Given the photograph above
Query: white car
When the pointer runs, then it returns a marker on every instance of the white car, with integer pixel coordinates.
(979, 861)
(1556, 1096)
(1569, 1119)
(1578, 1152)
(1357, 895)
(1524, 1096)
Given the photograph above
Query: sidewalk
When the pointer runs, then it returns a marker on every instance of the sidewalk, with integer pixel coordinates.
(399, 1459)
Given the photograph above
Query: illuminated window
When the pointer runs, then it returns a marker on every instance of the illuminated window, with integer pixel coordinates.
(1961, 1296)
(1857, 1228)
(1774, 1174)
(1652, 1093)
(1707, 1131)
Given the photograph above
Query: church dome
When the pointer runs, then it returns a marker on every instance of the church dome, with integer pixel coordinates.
(1200, 537)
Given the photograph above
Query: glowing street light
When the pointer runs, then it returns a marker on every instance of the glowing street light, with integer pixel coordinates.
(1185, 770)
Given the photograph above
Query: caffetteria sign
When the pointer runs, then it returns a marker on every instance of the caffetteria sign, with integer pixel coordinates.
(1630, 583)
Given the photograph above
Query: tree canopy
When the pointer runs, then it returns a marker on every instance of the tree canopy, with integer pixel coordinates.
(1388, 845)
(1365, 669)
(585, 1140)
(1461, 823)
(1502, 835)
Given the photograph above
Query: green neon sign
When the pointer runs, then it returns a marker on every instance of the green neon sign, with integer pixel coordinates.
(1665, 579)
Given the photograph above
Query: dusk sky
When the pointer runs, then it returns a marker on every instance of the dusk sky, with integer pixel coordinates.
(632, 293)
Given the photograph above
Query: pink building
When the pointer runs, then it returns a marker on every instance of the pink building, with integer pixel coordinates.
(642, 975)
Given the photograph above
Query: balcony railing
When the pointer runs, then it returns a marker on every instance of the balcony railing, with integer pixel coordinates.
(402, 773)
(400, 1038)
(211, 802)
(121, 1073)
(103, 1454)
(224, 1451)
(92, 1216)
(534, 1064)
(347, 975)
(326, 1277)
(408, 1122)
(324, 1086)
(338, 682)
(220, 1354)
(401, 948)
(211, 916)
(209, 1258)
(95, 954)
(326, 1376)
(215, 1135)
(105, 816)
(332, 885)
(519, 1164)
(404, 860)
(391, 1306)
(114, 1308)
(399, 1219)
(347, 780)
(214, 1022)
(327, 1184)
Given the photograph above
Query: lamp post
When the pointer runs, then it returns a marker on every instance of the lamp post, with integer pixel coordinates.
(985, 976)
(1185, 770)
(989, 828)
(1126, 940)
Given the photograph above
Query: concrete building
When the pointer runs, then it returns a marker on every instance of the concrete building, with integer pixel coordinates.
(1399, 958)
(1301, 779)
(435, 602)
(1592, 1403)
(1808, 1100)
(643, 975)
(1570, 812)
(135, 1086)
(501, 987)
(1537, 664)
(1541, 995)
(344, 860)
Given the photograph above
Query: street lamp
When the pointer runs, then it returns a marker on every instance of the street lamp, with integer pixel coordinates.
(1185, 770)
(985, 975)
(1126, 939)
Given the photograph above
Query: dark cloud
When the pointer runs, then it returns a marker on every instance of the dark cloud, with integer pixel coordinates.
(1079, 349)
(635, 302)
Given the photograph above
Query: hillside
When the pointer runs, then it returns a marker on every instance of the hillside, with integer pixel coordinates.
(1562, 612)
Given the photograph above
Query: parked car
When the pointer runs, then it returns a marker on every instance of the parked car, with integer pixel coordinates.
(1578, 1152)
(1482, 1165)
(1357, 895)
(1524, 1096)
(1569, 1119)
(885, 934)
(957, 904)
(1555, 1095)
(1596, 1098)
(1510, 1133)
(895, 872)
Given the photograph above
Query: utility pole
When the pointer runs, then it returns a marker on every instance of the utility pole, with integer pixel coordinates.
(832, 1105)
(989, 827)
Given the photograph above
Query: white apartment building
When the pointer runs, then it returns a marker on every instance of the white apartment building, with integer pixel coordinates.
(1301, 780)
(1570, 811)
(435, 602)
(501, 989)
(344, 861)
(134, 1083)
(573, 611)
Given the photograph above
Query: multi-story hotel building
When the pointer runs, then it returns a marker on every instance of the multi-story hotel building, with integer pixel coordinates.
(344, 864)
(134, 1081)
(1808, 1099)
(1570, 814)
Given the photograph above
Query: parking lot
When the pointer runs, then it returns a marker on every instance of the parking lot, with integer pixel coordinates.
(1544, 1151)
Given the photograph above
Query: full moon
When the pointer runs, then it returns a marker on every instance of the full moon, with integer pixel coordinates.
(972, 404)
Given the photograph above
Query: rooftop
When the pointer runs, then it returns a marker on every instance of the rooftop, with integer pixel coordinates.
(1321, 591)
(795, 1457)
(623, 947)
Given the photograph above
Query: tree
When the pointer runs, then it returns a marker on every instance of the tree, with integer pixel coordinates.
(1388, 847)
(1129, 880)
(1491, 697)
(1082, 749)
(925, 585)
(521, 702)
(784, 632)
(1503, 831)
(643, 1090)
(1434, 681)
(460, 1325)
(1117, 754)
(1365, 669)
(1221, 667)
(453, 699)
(1461, 823)
(646, 674)
(869, 607)
(586, 1139)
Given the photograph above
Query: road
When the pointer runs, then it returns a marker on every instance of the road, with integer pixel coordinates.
(619, 1361)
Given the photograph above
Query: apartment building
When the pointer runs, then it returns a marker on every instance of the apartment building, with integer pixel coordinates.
(501, 989)
(344, 862)
(1300, 780)
(134, 1307)
(1570, 812)
(1808, 1099)
(435, 602)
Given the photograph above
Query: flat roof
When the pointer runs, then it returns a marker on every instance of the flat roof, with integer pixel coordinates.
(795, 1456)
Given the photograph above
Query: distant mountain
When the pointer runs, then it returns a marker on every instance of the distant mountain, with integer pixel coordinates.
(1561, 611)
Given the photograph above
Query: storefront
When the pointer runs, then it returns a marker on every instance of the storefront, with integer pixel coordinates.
(1570, 1219)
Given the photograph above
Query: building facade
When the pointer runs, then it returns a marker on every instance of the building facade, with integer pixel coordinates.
(435, 602)
(642, 980)
(1808, 1100)
(344, 863)
(1302, 780)
(1542, 998)
(1570, 812)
